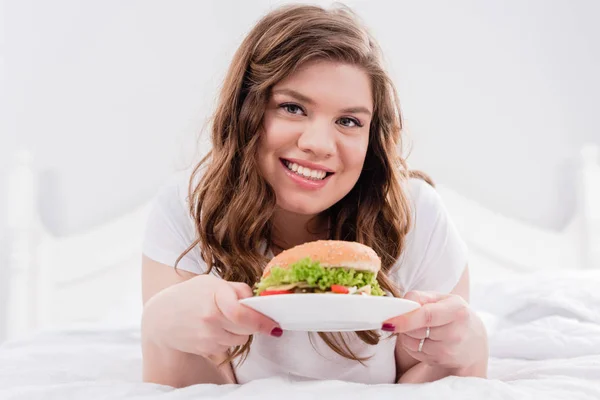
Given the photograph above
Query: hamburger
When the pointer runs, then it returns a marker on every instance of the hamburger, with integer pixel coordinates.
(323, 266)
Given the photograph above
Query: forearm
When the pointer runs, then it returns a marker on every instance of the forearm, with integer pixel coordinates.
(167, 366)
(422, 373)
(177, 369)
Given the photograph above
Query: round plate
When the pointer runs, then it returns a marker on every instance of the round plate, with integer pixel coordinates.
(325, 312)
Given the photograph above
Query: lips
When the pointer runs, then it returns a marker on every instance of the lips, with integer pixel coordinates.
(304, 176)
(304, 171)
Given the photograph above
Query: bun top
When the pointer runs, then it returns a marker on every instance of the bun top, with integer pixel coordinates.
(329, 253)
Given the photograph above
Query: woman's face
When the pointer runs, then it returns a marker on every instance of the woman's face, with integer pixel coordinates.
(315, 135)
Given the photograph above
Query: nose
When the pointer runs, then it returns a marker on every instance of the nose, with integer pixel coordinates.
(318, 138)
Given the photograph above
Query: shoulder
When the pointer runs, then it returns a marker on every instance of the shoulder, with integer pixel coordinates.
(434, 254)
(170, 228)
(426, 207)
(176, 187)
(424, 198)
(173, 193)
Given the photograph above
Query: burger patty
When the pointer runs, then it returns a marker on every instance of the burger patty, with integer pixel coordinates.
(304, 288)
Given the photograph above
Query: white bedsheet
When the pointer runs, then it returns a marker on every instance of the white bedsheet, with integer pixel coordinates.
(544, 342)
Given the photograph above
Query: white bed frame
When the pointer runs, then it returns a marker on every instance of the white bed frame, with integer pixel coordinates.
(93, 276)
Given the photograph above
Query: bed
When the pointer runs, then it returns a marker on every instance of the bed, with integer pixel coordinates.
(536, 290)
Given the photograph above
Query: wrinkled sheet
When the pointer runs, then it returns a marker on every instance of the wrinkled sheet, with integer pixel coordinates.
(544, 333)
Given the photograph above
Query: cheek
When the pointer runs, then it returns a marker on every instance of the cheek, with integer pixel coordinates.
(354, 153)
(277, 133)
(275, 136)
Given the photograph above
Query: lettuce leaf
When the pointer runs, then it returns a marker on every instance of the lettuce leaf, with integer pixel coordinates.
(314, 274)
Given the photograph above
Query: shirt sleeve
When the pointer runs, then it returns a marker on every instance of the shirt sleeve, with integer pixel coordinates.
(434, 256)
(170, 229)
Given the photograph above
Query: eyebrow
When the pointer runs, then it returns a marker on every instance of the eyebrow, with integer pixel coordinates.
(305, 99)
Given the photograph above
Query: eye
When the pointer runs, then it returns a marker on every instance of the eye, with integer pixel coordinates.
(292, 108)
(349, 122)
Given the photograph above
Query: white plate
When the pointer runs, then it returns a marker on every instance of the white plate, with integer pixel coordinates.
(327, 312)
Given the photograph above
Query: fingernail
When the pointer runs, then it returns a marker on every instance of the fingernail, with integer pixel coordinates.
(388, 327)
(277, 332)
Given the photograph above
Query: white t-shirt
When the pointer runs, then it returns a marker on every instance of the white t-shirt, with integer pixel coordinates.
(433, 259)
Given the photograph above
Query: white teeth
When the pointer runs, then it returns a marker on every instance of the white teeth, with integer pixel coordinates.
(305, 172)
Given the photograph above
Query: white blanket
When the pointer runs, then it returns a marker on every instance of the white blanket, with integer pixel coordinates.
(544, 342)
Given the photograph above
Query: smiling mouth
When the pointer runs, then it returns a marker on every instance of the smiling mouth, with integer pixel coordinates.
(304, 172)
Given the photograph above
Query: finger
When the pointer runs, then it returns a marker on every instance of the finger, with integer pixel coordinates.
(238, 328)
(226, 338)
(265, 324)
(242, 290)
(450, 333)
(242, 320)
(425, 297)
(430, 347)
(420, 356)
(451, 309)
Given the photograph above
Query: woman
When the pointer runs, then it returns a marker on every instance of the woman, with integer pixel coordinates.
(305, 145)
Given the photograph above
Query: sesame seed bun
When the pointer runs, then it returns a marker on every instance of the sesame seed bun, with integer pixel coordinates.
(329, 253)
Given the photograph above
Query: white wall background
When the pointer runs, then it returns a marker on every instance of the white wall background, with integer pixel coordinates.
(110, 95)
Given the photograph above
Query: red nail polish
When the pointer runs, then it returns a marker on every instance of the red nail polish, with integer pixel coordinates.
(388, 327)
(277, 332)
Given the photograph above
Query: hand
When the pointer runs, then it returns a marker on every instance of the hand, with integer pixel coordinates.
(203, 316)
(456, 338)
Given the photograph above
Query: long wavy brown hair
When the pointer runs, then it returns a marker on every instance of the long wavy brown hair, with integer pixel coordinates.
(232, 227)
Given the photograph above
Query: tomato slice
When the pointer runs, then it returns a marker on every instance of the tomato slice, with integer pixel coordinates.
(339, 289)
(270, 292)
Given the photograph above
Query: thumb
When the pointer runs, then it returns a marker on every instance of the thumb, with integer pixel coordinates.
(242, 290)
(423, 298)
(247, 317)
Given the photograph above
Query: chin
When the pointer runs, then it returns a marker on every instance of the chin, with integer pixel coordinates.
(302, 207)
